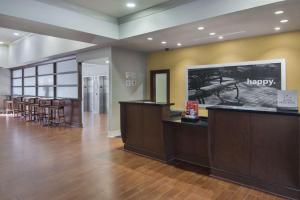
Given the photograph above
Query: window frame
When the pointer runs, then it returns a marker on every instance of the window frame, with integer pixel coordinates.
(55, 86)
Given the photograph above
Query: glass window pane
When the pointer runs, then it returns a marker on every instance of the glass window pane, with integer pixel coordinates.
(29, 71)
(17, 91)
(67, 79)
(66, 66)
(29, 91)
(17, 73)
(46, 92)
(45, 69)
(17, 82)
(45, 80)
(29, 81)
(67, 92)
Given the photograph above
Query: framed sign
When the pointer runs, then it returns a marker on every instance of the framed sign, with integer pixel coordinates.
(249, 84)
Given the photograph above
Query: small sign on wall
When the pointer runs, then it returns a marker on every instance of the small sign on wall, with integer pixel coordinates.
(287, 100)
(130, 79)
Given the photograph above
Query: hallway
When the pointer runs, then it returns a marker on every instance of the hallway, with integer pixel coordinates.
(40, 163)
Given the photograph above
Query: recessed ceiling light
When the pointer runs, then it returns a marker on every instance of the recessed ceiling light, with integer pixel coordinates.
(164, 42)
(201, 28)
(1, 42)
(16, 34)
(107, 62)
(130, 5)
(212, 34)
(149, 38)
(221, 37)
(179, 44)
(284, 21)
(277, 28)
(279, 12)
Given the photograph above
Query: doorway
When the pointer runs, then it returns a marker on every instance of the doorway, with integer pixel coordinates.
(160, 86)
(95, 94)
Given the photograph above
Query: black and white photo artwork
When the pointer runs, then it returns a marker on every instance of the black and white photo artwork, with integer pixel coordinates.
(248, 84)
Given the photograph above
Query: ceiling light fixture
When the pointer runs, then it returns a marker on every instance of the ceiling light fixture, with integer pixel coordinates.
(1, 42)
(201, 28)
(179, 44)
(221, 37)
(107, 62)
(130, 5)
(277, 28)
(16, 34)
(211, 34)
(164, 42)
(150, 38)
(279, 12)
(284, 21)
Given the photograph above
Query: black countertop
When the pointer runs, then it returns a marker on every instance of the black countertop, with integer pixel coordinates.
(255, 110)
(147, 102)
(177, 120)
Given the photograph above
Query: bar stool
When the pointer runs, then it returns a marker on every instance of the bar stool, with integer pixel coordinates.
(57, 115)
(16, 107)
(34, 106)
(9, 107)
(43, 111)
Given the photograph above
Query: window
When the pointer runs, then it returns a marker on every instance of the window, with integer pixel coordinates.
(45, 69)
(67, 66)
(46, 92)
(67, 92)
(29, 91)
(67, 79)
(17, 73)
(57, 79)
(45, 80)
(17, 82)
(29, 71)
(29, 81)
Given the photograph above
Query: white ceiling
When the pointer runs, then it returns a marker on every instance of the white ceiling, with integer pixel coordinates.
(248, 23)
(7, 35)
(112, 8)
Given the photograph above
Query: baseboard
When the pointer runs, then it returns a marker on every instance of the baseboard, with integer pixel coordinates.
(116, 133)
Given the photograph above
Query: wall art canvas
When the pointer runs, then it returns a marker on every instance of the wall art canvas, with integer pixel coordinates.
(248, 84)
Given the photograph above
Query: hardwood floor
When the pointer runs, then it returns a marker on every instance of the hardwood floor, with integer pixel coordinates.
(40, 163)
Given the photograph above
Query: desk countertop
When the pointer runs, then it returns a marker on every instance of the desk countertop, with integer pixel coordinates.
(255, 109)
(177, 120)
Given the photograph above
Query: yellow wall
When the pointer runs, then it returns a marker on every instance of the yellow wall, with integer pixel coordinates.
(286, 45)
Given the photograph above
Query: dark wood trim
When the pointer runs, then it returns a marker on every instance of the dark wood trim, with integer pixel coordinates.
(23, 82)
(54, 80)
(153, 86)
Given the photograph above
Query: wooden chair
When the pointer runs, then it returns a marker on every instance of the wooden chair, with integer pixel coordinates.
(43, 111)
(9, 107)
(57, 115)
(16, 107)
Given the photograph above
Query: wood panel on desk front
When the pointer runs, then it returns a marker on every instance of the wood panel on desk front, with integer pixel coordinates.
(142, 128)
(187, 142)
(230, 141)
(257, 149)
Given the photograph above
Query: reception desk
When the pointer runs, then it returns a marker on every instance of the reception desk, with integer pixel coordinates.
(257, 148)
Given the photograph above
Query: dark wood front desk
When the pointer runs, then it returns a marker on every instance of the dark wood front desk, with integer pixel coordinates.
(257, 148)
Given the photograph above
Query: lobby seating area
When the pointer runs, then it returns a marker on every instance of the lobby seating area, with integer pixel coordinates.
(47, 112)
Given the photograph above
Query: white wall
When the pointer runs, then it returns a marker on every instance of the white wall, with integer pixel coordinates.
(3, 55)
(89, 69)
(35, 47)
(4, 81)
(122, 61)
